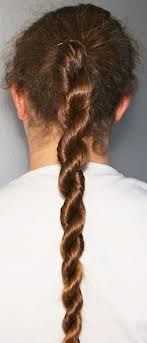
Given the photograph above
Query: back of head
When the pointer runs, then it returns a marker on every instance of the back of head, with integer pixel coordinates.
(75, 64)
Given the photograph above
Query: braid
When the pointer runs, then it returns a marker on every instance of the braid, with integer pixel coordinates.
(72, 153)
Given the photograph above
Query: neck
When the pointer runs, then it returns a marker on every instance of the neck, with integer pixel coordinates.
(43, 151)
(47, 155)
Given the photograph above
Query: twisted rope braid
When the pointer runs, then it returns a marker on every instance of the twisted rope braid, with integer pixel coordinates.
(72, 154)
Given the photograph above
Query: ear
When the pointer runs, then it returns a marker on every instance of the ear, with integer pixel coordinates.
(19, 101)
(122, 107)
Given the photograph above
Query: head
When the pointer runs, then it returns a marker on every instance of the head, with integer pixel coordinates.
(72, 94)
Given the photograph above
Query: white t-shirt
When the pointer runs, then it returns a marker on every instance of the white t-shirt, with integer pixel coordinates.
(115, 258)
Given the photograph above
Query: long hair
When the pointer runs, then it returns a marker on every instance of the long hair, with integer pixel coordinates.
(75, 64)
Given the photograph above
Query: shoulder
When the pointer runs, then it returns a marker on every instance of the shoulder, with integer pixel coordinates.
(15, 193)
(131, 193)
(132, 186)
(129, 198)
(125, 186)
(121, 197)
(132, 189)
(13, 186)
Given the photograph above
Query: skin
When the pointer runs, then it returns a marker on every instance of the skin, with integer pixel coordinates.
(42, 148)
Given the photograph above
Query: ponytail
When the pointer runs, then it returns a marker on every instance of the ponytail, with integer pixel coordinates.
(72, 154)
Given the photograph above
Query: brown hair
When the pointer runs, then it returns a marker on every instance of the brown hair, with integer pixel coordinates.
(75, 64)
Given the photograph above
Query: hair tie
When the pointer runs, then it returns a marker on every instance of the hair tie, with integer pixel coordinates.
(59, 43)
